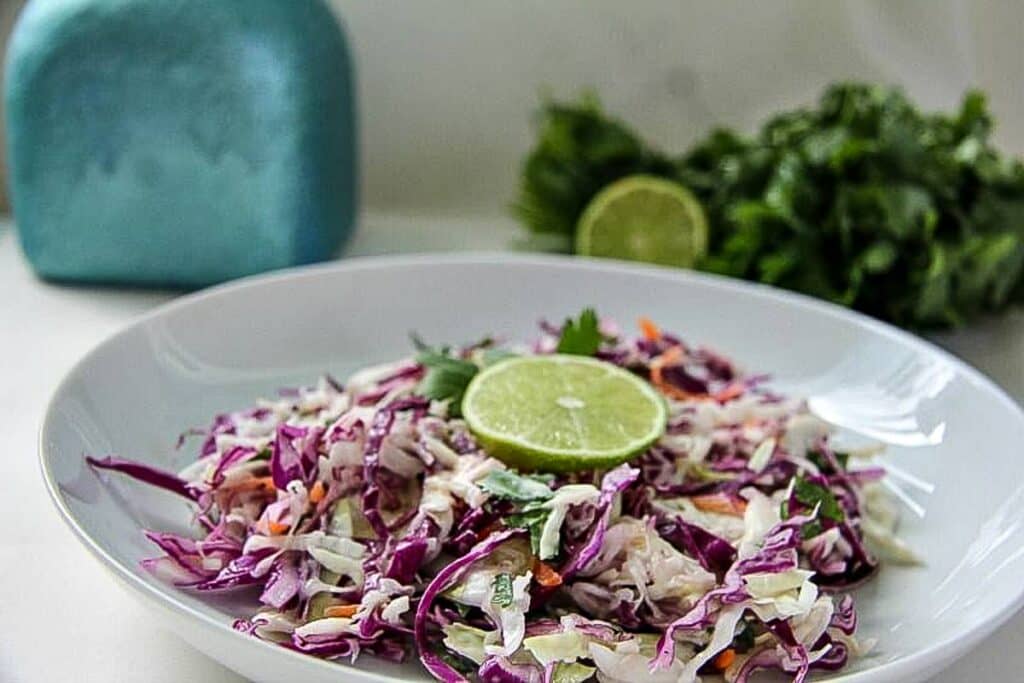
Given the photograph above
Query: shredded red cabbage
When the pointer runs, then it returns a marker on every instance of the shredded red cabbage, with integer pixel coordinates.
(361, 514)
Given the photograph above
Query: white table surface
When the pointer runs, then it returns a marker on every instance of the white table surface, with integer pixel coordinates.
(62, 618)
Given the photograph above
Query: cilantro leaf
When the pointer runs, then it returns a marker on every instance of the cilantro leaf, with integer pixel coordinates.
(743, 642)
(531, 490)
(418, 342)
(509, 485)
(532, 518)
(456, 661)
(579, 150)
(819, 459)
(811, 494)
(811, 529)
(502, 586)
(581, 337)
(446, 379)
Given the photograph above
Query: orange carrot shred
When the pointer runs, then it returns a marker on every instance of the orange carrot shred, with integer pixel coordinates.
(649, 329)
(276, 528)
(545, 575)
(317, 493)
(716, 502)
(734, 390)
(725, 659)
(672, 356)
(341, 610)
(253, 483)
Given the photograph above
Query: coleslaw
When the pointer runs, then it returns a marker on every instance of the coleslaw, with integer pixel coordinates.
(369, 520)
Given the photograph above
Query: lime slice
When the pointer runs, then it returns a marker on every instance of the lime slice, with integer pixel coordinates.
(562, 413)
(643, 218)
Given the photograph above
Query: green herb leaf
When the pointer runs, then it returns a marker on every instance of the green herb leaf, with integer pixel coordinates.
(861, 199)
(811, 495)
(579, 150)
(581, 337)
(446, 378)
(456, 661)
(819, 460)
(811, 529)
(509, 485)
(743, 642)
(532, 518)
(417, 342)
(502, 586)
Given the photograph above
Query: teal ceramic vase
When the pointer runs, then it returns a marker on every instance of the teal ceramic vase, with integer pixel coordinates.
(179, 142)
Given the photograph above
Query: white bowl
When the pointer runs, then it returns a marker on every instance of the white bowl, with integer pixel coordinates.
(222, 348)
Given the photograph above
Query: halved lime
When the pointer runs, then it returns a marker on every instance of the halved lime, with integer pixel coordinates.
(644, 218)
(562, 413)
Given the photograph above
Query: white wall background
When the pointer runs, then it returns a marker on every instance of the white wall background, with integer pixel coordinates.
(447, 87)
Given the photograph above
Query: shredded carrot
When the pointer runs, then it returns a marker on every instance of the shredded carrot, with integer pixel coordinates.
(317, 493)
(341, 610)
(254, 483)
(731, 391)
(276, 528)
(725, 659)
(262, 482)
(720, 503)
(672, 356)
(649, 329)
(545, 575)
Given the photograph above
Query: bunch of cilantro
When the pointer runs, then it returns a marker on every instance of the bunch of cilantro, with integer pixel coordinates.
(863, 200)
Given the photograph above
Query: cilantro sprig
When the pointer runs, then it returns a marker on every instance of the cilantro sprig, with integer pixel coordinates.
(529, 492)
(811, 495)
(823, 464)
(446, 379)
(516, 487)
(861, 199)
(448, 375)
(582, 336)
(532, 518)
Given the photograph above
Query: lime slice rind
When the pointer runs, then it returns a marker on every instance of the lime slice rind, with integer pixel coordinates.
(644, 218)
(542, 413)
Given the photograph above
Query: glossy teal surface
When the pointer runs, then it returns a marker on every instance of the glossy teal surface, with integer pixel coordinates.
(179, 142)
